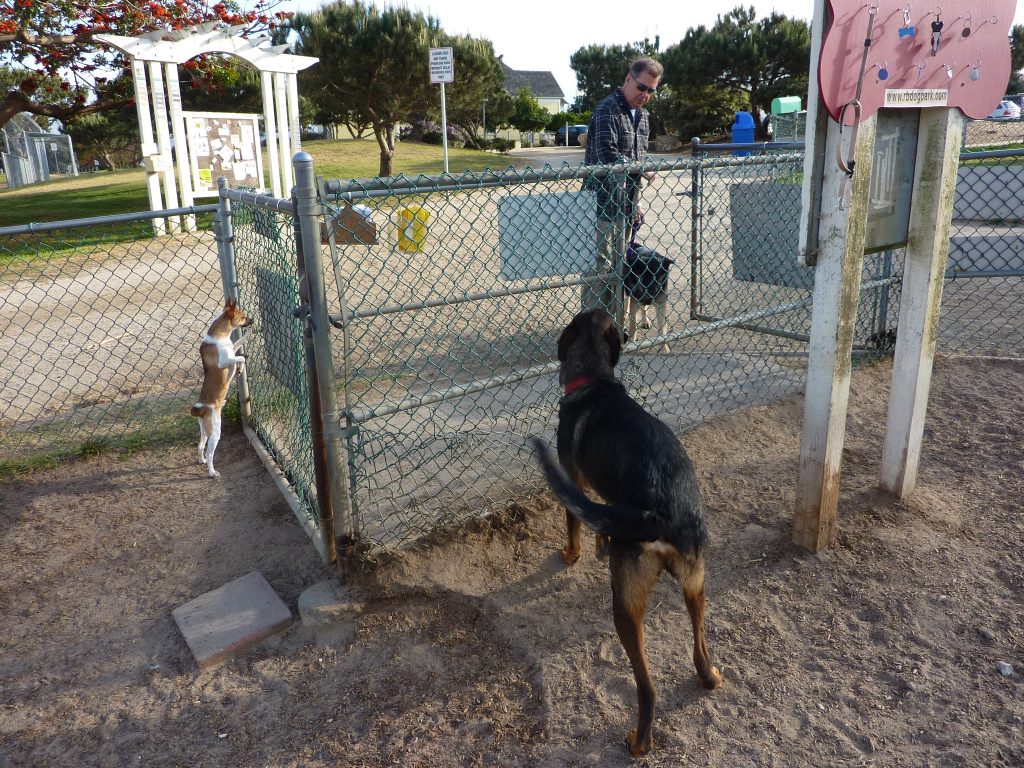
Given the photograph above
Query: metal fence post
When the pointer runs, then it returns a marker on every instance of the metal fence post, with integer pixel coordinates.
(224, 234)
(695, 222)
(329, 455)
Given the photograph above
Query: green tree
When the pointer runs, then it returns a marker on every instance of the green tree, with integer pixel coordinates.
(112, 137)
(51, 45)
(568, 118)
(600, 69)
(1016, 84)
(374, 69)
(478, 76)
(500, 108)
(705, 111)
(373, 65)
(747, 59)
(527, 113)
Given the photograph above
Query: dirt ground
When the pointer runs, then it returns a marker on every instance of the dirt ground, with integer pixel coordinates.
(482, 649)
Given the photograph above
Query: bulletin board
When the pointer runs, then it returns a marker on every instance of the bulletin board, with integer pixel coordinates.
(224, 144)
(903, 53)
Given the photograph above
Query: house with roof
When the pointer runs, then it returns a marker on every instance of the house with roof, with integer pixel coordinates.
(542, 85)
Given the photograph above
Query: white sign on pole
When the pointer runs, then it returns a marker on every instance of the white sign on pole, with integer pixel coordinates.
(442, 70)
(442, 65)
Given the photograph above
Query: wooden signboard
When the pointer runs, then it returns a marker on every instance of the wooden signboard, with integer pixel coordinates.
(900, 54)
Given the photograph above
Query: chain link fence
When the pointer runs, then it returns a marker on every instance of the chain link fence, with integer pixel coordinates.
(983, 296)
(99, 330)
(445, 299)
(266, 279)
(449, 295)
(980, 134)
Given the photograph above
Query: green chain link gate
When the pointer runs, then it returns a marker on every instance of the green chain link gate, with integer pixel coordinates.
(445, 297)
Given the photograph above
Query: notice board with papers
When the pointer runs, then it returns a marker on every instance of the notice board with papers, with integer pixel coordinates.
(224, 144)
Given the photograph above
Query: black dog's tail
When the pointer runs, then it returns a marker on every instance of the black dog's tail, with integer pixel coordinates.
(618, 522)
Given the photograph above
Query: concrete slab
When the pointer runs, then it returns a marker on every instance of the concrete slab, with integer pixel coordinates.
(230, 619)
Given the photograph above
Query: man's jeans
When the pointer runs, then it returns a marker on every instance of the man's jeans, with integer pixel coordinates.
(600, 294)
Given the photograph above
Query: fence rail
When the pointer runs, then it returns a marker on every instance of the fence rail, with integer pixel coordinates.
(439, 313)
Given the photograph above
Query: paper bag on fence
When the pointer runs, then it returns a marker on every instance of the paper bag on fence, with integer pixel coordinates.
(352, 225)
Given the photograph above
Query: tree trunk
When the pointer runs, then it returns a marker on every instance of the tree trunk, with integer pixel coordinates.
(385, 135)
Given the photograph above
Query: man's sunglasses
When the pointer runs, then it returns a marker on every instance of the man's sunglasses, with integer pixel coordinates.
(644, 88)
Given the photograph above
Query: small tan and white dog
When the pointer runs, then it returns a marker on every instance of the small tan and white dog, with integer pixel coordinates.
(221, 362)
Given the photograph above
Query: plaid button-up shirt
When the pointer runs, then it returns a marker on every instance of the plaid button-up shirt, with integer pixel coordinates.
(614, 137)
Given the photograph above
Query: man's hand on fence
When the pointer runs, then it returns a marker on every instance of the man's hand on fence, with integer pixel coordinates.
(638, 216)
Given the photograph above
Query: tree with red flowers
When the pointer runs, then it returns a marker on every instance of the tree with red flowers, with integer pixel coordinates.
(61, 71)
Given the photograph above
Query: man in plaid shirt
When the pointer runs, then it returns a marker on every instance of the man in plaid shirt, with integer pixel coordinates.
(618, 134)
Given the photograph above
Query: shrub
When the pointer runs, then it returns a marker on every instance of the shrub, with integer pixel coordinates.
(457, 135)
(502, 145)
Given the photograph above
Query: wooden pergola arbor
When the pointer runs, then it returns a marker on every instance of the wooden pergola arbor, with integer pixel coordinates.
(155, 57)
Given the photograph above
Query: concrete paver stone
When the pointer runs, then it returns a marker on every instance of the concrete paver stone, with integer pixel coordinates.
(230, 619)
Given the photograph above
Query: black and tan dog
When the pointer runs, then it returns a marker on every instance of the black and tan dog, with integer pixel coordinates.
(653, 521)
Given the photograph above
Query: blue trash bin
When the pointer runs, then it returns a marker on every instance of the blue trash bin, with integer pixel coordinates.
(743, 131)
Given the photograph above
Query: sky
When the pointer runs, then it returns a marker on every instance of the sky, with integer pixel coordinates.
(532, 35)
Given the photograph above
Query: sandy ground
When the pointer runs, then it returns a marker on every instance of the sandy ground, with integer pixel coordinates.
(482, 649)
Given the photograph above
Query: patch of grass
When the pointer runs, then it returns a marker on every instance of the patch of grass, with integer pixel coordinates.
(94, 447)
(166, 424)
(994, 147)
(178, 434)
(93, 194)
(13, 468)
(105, 193)
(360, 159)
(231, 413)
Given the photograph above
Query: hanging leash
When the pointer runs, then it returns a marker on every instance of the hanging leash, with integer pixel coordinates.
(846, 163)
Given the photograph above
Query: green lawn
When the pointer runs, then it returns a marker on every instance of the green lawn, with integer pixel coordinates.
(104, 193)
(91, 194)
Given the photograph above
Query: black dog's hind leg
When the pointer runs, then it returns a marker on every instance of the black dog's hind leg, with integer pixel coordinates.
(692, 582)
(572, 550)
(633, 576)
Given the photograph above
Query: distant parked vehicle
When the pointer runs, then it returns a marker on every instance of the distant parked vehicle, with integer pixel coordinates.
(1006, 110)
(574, 131)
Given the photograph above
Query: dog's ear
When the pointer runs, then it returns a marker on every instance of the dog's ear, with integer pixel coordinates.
(230, 304)
(613, 338)
(568, 337)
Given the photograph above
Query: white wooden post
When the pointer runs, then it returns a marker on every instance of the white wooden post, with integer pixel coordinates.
(149, 147)
(181, 148)
(283, 132)
(270, 128)
(938, 156)
(837, 279)
(293, 112)
(163, 140)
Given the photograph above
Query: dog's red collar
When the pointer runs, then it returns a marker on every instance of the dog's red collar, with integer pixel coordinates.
(575, 384)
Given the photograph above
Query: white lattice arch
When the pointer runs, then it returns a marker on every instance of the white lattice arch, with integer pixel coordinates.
(155, 57)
